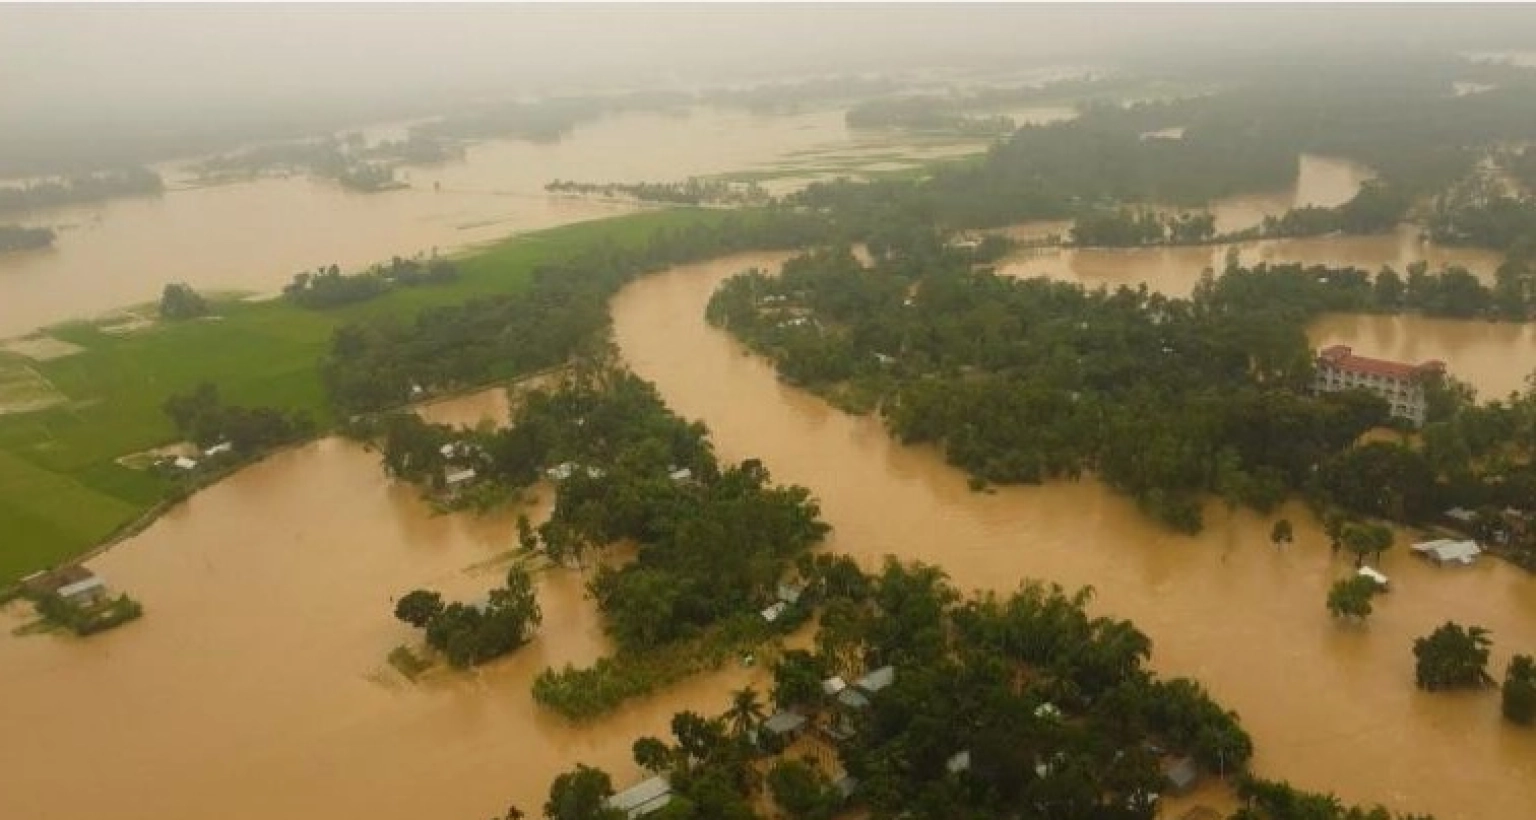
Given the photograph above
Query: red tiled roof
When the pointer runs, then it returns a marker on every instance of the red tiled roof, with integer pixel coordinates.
(1343, 358)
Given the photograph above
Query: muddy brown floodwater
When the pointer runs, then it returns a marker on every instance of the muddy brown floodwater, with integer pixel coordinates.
(256, 684)
(253, 236)
(1330, 707)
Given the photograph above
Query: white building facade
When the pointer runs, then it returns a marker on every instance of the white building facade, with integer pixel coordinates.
(1402, 385)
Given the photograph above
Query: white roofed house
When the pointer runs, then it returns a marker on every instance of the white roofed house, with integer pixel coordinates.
(456, 481)
(1445, 551)
(84, 592)
(646, 797)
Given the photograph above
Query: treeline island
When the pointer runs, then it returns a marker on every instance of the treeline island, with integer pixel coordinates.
(932, 704)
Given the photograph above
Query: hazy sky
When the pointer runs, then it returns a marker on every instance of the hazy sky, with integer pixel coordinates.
(75, 69)
(128, 54)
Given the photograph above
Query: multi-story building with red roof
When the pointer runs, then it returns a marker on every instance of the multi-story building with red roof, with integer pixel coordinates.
(1402, 385)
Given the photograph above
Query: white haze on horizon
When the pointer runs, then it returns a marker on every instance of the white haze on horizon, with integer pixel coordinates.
(95, 71)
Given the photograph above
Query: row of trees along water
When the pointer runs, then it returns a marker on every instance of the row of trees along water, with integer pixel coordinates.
(998, 707)
(350, 159)
(79, 189)
(1165, 399)
(376, 365)
(329, 287)
(692, 191)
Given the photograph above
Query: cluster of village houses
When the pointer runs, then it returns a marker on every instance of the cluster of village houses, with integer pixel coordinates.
(787, 727)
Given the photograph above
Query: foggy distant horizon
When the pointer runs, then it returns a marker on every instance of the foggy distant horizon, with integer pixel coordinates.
(75, 73)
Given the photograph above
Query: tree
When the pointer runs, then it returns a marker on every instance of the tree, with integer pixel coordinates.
(1358, 540)
(581, 794)
(418, 607)
(527, 539)
(1333, 525)
(797, 678)
(1351, 597)
(180, 301)
(1519, 693)
(1380, 539)
(802, 791)
(746, 711)
(1452, 657)
(652, 755)
(1281, 533)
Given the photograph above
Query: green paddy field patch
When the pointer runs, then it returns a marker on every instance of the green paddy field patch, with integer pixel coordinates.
(62, 488)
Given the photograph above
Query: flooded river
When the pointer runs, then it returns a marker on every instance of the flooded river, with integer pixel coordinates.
(1330, 707)
(256, 685)
(253, 236)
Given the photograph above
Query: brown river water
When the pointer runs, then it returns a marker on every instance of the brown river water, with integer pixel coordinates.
(256, 685)
(253, 236)
(1330, 707)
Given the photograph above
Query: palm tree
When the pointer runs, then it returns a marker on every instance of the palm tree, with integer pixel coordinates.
(746, 711)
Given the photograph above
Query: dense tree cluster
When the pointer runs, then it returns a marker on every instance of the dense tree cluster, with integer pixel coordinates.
(470, 634)
(329, 287)
(1126, 227)
(179, 301)
(74, 190)
(17, 238)
(1377, 208)
(1351, 597)
(1452, 657)
(1055, 171)
(1270, 800)
(1165, 399)
(203, 417)
(1022, 706)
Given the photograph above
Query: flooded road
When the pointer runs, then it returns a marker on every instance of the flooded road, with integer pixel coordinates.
(254, 236)
(1330, 707)
(256, 684)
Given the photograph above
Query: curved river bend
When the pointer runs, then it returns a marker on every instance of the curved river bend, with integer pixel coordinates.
(255, 687)
(1330, 708)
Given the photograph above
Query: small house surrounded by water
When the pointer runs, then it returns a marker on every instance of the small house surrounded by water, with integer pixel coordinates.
(74, 583)
(457, 480)
(84, 592)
